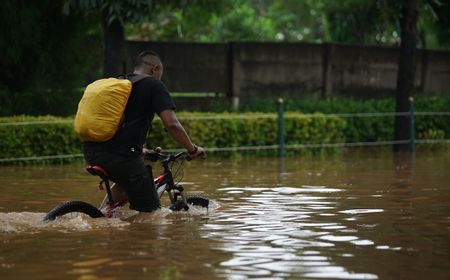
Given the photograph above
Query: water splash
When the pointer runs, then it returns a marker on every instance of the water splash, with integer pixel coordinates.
(27, 222)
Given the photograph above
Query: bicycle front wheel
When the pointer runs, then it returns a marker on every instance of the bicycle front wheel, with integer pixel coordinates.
(196, 200)
(71, 207)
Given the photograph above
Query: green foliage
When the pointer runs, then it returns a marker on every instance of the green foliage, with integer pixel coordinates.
(185, 21)
(222, 130)
(45, 55)
(37, 139)
(132, 11)
(332, 105)
(360, 129)
(123, 11)
(148, 13)
(206, 21)
(432, 127)
(297, 21)
(49, 50)
(433, 22)
(34, 103)
(346, 21)
(242, 24)
(219, 131)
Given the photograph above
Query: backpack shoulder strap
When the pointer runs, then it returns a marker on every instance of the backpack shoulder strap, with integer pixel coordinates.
(136, 78)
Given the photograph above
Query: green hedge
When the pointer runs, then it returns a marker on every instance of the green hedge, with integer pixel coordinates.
(219, 131)
(360, 129)
(331, 105)
(37, 139)
(250, 130)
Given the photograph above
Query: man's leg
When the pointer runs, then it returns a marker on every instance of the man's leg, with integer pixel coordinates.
(133, 175)
(140, 187)
(118, 194)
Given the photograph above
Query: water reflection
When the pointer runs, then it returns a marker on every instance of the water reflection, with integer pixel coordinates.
(405, 164)
(358, 216)
(282, 231)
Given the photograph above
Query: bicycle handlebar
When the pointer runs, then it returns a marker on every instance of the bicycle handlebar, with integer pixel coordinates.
(164, 157)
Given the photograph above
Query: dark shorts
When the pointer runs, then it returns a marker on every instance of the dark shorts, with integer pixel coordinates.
(129, 172)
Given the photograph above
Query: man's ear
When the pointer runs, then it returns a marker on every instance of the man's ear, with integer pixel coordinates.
(153, 69)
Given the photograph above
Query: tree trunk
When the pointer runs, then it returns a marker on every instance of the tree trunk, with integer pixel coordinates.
(114, 48)
(406, 72)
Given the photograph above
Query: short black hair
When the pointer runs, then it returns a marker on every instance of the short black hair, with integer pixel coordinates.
(141, 61)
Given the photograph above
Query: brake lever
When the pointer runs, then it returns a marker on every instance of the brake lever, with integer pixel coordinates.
(188, 158)
(151, 156)
(154, 155)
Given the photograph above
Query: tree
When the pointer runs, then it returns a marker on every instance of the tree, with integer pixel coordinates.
(113, 15)
(406, 71)
(116, 14)
(46, 56)
(346, 21)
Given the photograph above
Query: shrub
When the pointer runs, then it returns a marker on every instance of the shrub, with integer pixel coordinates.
(221, 130)
(213, 130)
(360, 129)
(31, 140)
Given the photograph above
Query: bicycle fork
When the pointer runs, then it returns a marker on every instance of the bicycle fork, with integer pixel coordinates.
(165, 183)
(176, 191)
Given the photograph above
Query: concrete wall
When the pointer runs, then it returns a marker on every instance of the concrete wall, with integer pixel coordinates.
(189, 67)
(357, 69)
(248, 69)
(271, 67)
(437, 76)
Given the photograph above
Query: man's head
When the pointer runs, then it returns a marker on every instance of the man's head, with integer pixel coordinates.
(149, 63)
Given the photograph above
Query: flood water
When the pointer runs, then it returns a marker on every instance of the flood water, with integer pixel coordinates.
(363, 214)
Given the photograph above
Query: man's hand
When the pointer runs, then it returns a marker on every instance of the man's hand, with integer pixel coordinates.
(199, 152)
(150, 155)
(145, 151)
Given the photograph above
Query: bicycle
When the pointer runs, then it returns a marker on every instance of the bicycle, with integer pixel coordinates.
(179, 200)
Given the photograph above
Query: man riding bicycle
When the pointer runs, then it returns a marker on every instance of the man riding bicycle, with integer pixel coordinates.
(121, 157)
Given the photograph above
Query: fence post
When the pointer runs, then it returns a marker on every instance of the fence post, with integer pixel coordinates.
(280, 127)
(411, 125)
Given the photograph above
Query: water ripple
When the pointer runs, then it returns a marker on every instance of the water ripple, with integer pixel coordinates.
(361, 211)
(286, 231)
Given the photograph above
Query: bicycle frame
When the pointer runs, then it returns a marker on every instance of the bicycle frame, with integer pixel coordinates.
(164, 182)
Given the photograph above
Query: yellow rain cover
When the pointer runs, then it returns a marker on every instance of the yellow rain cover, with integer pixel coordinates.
(101, 109)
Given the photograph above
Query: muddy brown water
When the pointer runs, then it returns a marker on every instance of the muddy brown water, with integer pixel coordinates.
(363, 214)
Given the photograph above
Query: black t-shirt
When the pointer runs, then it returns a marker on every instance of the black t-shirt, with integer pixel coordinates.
(148, 96)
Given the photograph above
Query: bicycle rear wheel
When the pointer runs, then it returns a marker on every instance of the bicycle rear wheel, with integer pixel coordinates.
(73, 206)
(196, 200)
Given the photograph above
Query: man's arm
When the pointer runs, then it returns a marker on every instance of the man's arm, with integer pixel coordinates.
(176, 130)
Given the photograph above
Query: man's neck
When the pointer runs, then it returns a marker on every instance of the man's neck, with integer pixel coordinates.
(140, 72)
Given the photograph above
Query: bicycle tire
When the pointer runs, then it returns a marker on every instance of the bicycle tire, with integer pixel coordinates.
(73, 206)
(196, 200)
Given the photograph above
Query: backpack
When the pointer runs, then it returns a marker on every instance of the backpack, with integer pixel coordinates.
(101, 109)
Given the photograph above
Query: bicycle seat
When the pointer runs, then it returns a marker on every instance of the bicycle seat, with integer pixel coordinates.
(96, 170)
